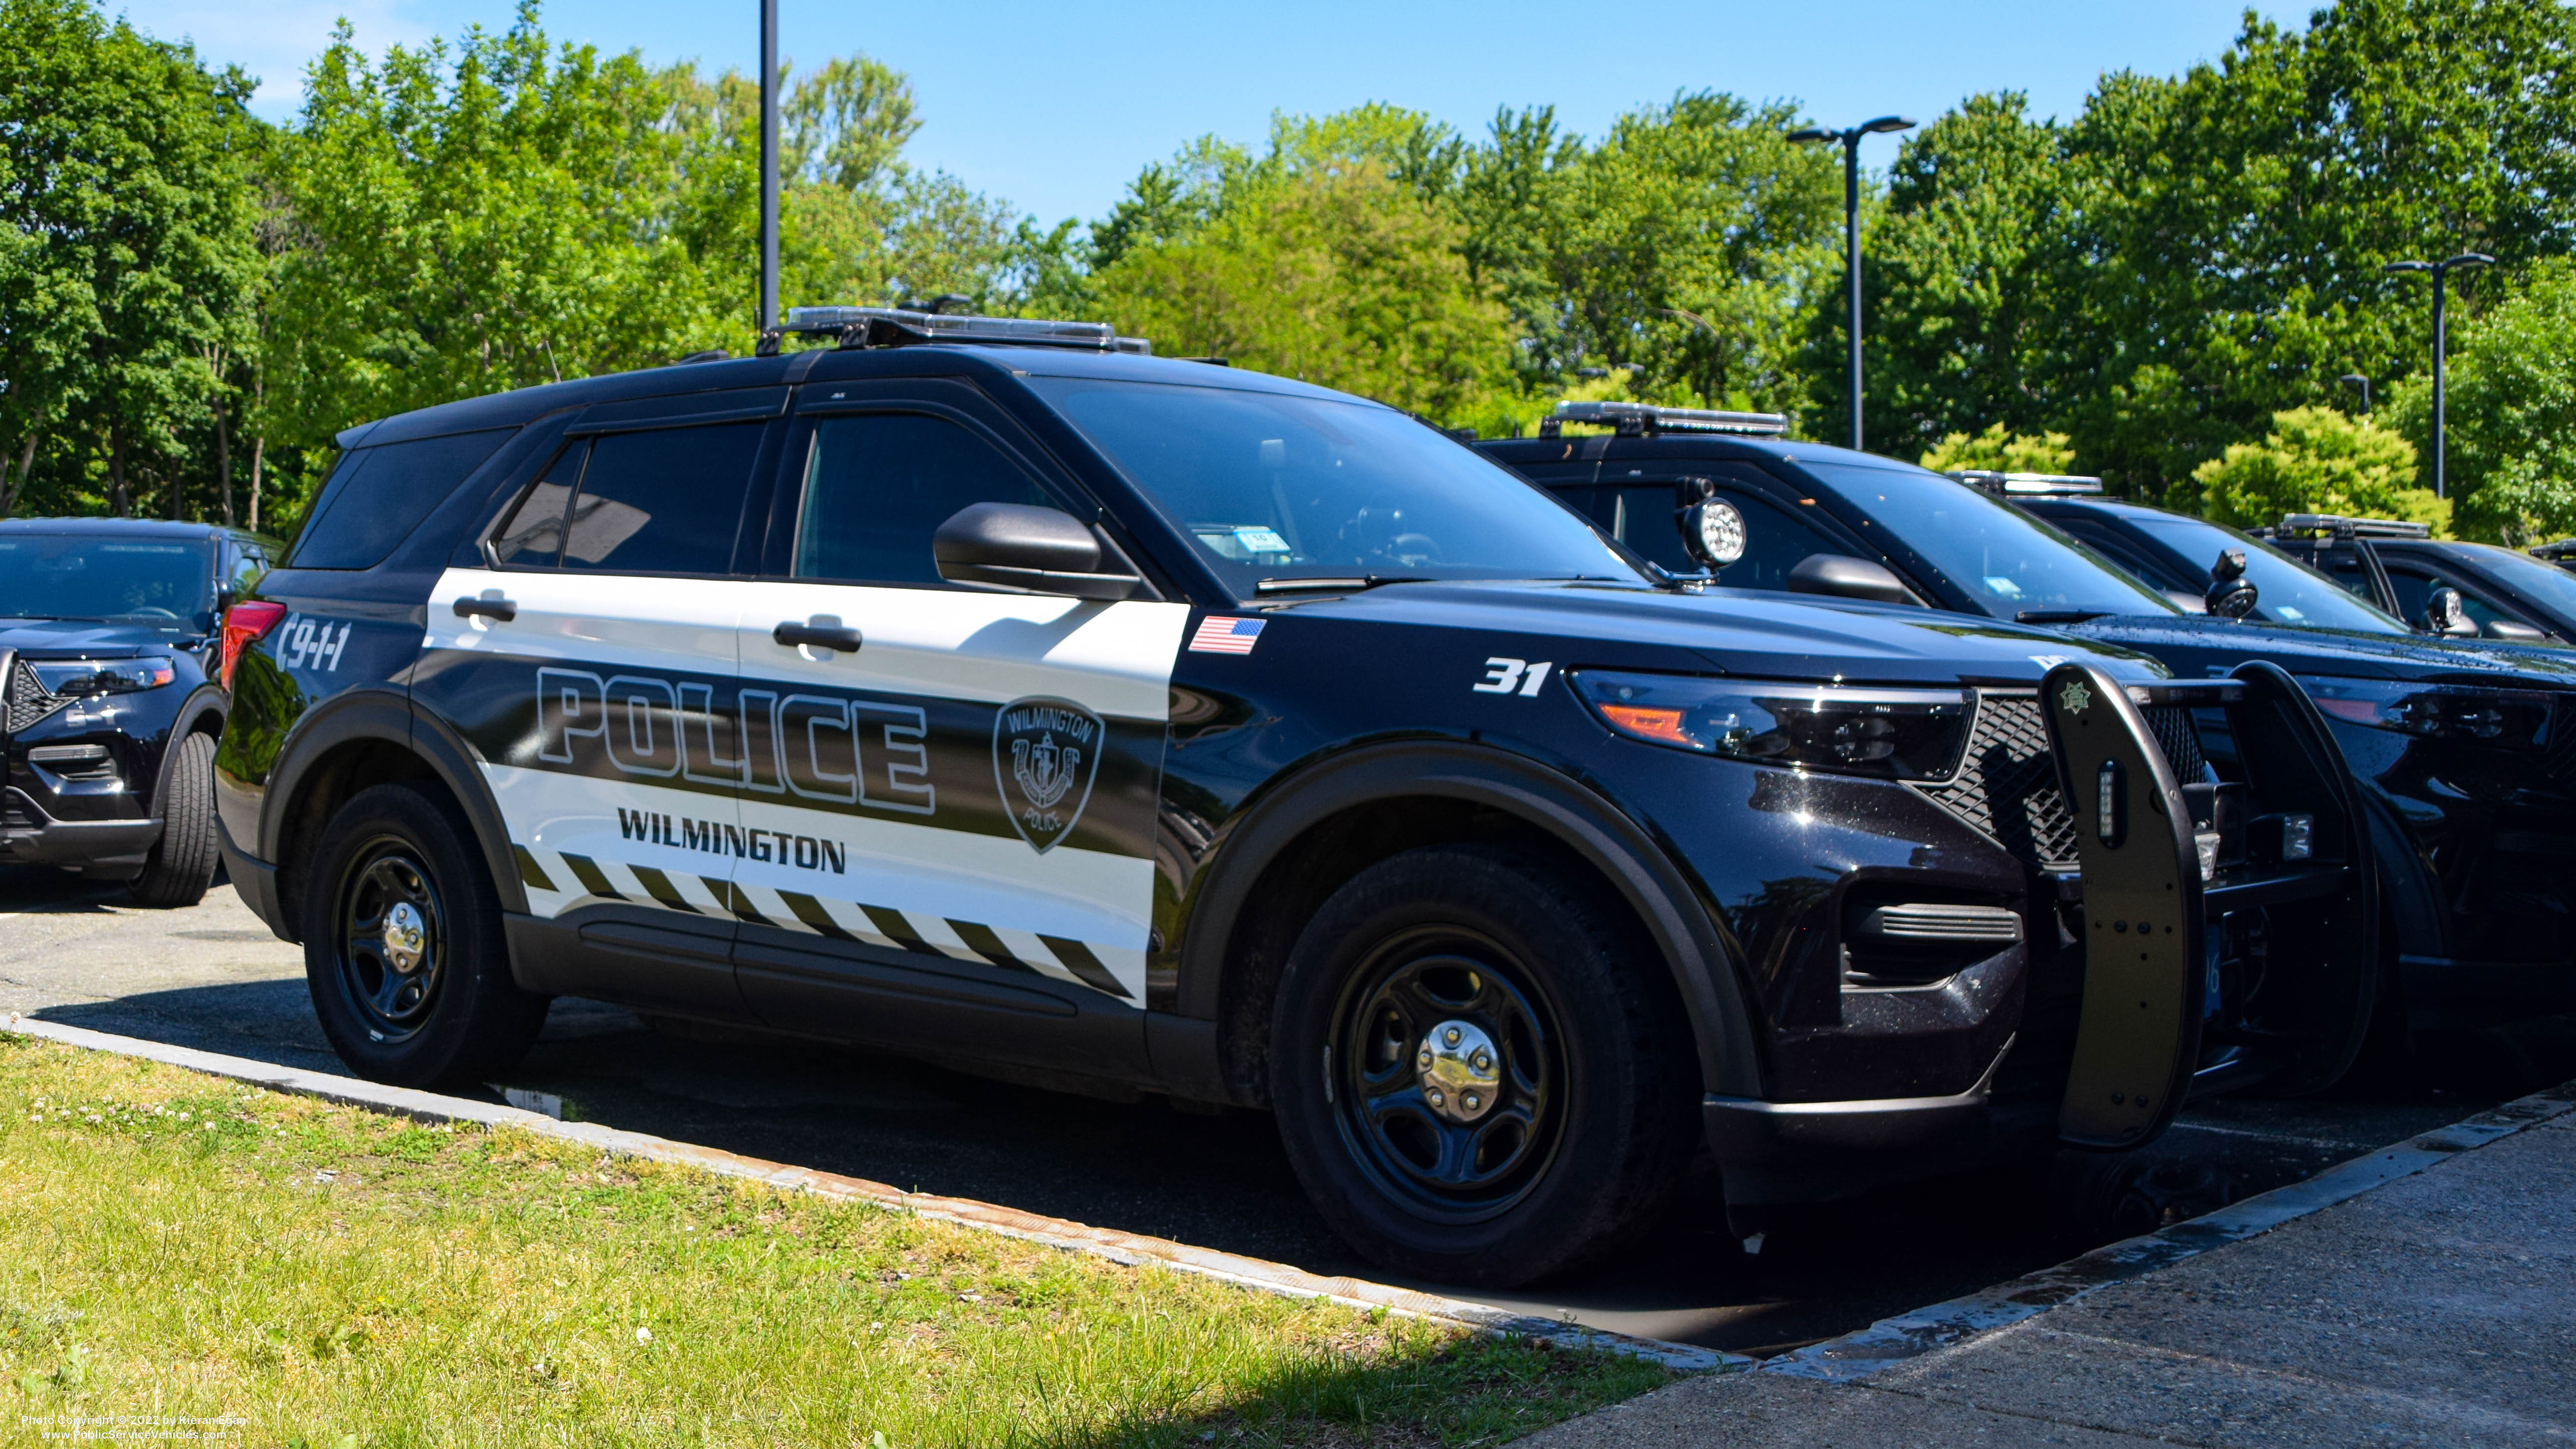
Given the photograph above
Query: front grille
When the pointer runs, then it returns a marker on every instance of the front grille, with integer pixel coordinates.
(2178, 735)
(26, 700)
(2007, 783)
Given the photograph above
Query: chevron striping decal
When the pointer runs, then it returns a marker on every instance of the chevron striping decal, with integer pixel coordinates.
(592, 878)
(659, 887)
(530, 872)
(810, 914)
(1086, 967)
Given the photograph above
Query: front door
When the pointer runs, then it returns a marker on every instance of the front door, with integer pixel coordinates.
(957, 803)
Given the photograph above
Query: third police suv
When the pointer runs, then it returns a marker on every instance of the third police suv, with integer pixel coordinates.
(994, 691)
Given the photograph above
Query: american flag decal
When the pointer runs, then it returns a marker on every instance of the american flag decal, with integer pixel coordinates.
(1219, 635)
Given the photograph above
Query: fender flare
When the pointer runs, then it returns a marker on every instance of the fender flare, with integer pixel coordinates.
(204, 697)
(2408, 894)
(390, 717)
(1662, 898)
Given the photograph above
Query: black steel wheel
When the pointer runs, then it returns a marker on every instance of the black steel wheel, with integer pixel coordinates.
(392, 939)
(403, 948)
(1447, 1073)
(1478, 1075)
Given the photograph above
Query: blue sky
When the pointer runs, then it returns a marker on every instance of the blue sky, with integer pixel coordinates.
(1056, 106)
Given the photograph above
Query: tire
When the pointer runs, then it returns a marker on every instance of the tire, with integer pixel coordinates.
(1556, 1121)
(435, 1005)
(182, 863)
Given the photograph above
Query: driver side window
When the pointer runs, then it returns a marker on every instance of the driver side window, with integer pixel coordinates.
(877, 485)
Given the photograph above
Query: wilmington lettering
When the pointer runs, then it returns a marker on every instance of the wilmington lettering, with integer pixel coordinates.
(717, 837)
(1073, 725)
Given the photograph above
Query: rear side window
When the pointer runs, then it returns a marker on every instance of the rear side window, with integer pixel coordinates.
(661, 502)
(878, 485)
(377, 496)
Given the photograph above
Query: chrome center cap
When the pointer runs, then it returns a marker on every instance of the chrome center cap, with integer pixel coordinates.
(406, 937)
(1460, 1071)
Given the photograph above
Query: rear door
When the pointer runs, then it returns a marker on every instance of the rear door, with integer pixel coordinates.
(961, 807)
(592, 666)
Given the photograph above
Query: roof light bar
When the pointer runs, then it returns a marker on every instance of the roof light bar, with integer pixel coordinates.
(2029, 485)
(2338, 526)
(1639, 419)
(901, 327)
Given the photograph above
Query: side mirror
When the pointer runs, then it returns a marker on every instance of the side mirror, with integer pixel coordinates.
(1844, 577)
(1026, 550)
(2231, 595)
(2445, 612)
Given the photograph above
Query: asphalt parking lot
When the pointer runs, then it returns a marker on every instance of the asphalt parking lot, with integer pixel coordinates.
(214, 977)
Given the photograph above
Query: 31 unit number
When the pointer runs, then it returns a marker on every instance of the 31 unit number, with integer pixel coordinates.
(1502, 676)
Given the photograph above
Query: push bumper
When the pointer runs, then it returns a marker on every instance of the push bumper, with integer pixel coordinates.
(107, 849)
(255, 880)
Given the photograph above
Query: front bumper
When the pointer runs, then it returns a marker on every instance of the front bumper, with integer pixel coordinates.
(2445, 993)
(106, 849)
(1780, 1153)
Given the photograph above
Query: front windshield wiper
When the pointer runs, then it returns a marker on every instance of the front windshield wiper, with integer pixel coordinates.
(1328, 586)
(2058, 616)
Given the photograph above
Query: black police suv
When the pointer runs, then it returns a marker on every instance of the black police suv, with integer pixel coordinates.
(109, 711)
(2440, 585)
(988, 690)
(2465, 750)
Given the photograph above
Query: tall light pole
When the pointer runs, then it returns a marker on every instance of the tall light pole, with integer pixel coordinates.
(1850, 137)
(2359, 381)
(768, 167)
(2440, 271)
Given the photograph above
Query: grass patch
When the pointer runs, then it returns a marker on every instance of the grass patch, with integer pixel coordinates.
(178, 1248)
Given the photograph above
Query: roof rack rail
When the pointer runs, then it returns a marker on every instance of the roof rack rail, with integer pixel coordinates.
(2561, 552)
(2335, 525)
(2028, 485)
(904, 327)
(1636, 420)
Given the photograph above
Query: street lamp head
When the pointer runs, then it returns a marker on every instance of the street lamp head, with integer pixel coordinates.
(2469, 259)
(2408, 267)
(1886, 123)
(2354, 377)
(1812, 134)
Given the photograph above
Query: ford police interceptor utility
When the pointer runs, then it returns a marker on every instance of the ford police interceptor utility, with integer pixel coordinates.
(992, 691)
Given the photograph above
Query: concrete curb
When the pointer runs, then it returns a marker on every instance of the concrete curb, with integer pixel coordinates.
(1130, 1249)
(1891, 1341)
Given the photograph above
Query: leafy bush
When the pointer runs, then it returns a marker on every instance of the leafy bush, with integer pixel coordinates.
(2002, 451)
(2316, 460)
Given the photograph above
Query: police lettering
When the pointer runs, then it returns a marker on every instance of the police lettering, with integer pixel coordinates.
(815, 747)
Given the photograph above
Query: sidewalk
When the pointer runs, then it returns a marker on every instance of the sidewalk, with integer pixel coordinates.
(2439, 1308)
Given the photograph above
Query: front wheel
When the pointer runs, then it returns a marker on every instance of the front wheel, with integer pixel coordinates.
(182, 863)
(403, 948)
(1475, 1076)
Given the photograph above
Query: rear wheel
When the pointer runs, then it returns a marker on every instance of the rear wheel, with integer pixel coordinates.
(1473, 1076)
(182, 863)
(403, 950)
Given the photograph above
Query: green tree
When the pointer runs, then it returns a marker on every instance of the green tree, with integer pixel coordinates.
(128, 263)
(2317, 460)
(2510, 413)
(2002, 451)
(1338, 275)
(1955, 276)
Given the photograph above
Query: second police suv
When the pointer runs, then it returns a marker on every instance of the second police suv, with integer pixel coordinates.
(991, 691)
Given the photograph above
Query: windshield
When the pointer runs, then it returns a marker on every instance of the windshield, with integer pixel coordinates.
(2545, 584)
(167, 585)
(2012, 564)
(2286, 590)
(1281, 488)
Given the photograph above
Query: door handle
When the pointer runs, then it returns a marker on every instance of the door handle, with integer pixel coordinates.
(501, 609)
(822, 632)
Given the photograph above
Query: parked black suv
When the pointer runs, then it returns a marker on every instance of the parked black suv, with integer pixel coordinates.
(2465, 749)
(985, 690)
(2501, 593)
(108, 711)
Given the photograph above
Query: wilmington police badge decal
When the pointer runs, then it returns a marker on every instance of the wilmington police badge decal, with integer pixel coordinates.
(1046, 753)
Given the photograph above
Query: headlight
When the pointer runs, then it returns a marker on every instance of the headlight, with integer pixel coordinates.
(2506, 718)
(102, 676)
(1906, 734)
